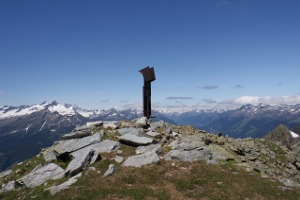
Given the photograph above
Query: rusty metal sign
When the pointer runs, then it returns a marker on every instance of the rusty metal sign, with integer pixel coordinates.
(149, 76)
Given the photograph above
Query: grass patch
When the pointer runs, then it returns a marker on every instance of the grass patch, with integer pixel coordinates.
(167, 180)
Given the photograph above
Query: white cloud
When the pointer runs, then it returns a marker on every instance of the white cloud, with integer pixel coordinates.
(267, 100)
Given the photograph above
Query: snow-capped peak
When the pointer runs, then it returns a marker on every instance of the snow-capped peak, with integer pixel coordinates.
(61, 109)
(294, 135)
(8, 112)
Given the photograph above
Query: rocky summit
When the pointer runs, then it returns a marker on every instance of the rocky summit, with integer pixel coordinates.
(157, 160)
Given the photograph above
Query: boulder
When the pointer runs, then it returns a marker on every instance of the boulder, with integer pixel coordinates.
(157, 125)
(135, 140)
(111, 124)
(81, 159)
(219, 153)
(141, 160)
(131, 131)
(190, 143)
(201, 153)
(10, 186)
(157, 148)
(42, 175)
(119, 159)
(65, 185)
(110, 170)
(68, 146)
(49, 154)
(154, 134)
(142, 122)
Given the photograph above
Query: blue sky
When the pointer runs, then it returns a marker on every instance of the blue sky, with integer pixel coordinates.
(204, 52)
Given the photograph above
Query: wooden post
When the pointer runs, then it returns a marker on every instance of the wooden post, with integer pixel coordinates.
(149, 76)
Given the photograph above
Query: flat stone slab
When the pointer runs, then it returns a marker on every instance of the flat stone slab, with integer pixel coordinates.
(131, 131)
(157, 148)
(41, 175)
(81, 159)
(154, 134)
(65, 185)
(94, 124)
(68, 146)
(134, 140)
(74, 135)
(189, 156)
(106, 146)
(190, 143)
(111, 124)
(141, 160)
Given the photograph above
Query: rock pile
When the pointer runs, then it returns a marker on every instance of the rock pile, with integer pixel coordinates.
(153, 142)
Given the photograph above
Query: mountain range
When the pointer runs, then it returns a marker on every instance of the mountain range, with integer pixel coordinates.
(24, 130)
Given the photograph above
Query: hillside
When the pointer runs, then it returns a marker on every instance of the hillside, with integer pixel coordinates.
(283, 136)
(138, 160)
(25, 130)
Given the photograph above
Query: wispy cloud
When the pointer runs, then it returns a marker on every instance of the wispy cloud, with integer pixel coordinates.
(210, 87)
(177, 98)
(209, 101)
(237, 87)
(1, 92)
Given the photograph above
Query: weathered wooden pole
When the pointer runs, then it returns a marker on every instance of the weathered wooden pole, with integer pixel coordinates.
(149, 76)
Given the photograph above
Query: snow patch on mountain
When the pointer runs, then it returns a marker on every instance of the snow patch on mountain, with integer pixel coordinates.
(62, 110)
(294, 135)
(5, 112)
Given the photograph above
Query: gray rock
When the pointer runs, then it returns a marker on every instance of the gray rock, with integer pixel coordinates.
(81, 159)
(110, 170)
(190, 143)
(141, 160)
(5, 173)
(119, 159)
(49, 154)
(192, 155)
(94, 124)
(10, 186)
(154, 134)
(83, 128)
(131, 131)
(157, 148)
(289, 182)
(42, 175)
(135, 140)
(66, 185)
(106, 146)
(173, 144)
(68, 146)
(219, 153)
(111, 124)
(141, 122)
(157, 125)
(74, 135)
